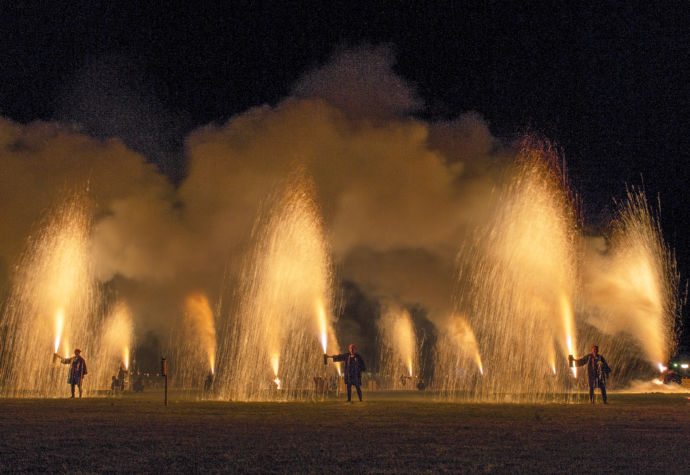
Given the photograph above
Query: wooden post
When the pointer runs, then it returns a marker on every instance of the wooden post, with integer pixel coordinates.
(164, 373)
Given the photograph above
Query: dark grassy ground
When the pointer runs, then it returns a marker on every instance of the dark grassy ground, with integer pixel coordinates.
(634, 433)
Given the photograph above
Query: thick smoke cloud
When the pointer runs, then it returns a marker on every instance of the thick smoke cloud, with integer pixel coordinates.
(361, 83)
(397, 194)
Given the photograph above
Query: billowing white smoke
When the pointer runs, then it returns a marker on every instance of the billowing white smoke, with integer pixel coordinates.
(398, 194)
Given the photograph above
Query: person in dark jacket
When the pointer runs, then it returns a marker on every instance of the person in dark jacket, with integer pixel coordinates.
(77, 370)
(353, 369)
(597, 371)
(122, 377)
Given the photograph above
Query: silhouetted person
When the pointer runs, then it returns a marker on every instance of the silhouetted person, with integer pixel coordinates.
(597, 371)
(121, 377)
(77, 369)
(208, 382)
(114, 385)
(138, 385)
(354, 367)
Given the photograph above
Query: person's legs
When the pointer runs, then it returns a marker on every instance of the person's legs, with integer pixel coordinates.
(591, 393)
(79, 385)
(349, 392)
(72, 386)
(359, 392)
(602, 386)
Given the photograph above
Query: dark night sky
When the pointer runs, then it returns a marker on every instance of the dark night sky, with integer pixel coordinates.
(607, 83)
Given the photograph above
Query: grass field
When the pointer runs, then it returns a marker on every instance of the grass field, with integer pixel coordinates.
(634, 433)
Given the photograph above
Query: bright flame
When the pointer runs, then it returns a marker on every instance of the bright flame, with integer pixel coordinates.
(274, 364)
(201, 325)
(409, 366)
(662, 368)
(657, 381)
(552, 359)
(125, 357)
(462, 335)
(568, 325)
(321, 313)
(65, 348)
(337, 366)
(59, 320)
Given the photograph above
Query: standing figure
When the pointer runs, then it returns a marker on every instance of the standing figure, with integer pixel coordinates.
(354, 367)
(597, 371)
(114, 386)
(122, 377)
(77, 370)
(208, 382)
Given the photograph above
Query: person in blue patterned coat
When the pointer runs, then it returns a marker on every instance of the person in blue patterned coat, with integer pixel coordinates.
(353, 369)
(77, 370)
(597, 371)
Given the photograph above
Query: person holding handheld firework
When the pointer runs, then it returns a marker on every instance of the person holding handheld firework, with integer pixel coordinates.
(77, 369)
(597, 371)
(354, 367)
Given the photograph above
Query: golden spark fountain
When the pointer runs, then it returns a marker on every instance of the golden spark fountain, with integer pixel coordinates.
(399, 351)
(513, 275)
(287, 273)
(52, 298)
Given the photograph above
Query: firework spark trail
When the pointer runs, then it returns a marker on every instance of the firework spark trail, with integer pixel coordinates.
(52, 301)
(276, 324)
(457, 359)
(117, 337)
(201, 326)
(630, 291)
(399, 349)
(512, 276)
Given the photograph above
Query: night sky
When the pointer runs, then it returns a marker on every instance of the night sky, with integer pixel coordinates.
(607, 84)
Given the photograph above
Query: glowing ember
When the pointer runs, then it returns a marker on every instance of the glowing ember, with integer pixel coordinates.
(657, 381)
(662, 368)
(337, 366)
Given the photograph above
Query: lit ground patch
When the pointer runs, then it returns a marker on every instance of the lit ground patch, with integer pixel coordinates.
(634, 433)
